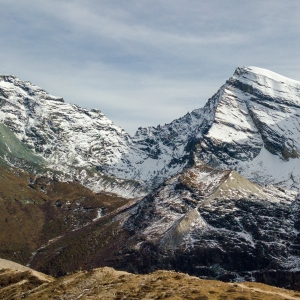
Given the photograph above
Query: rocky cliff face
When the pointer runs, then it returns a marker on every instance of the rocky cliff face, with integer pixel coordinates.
(217, 225)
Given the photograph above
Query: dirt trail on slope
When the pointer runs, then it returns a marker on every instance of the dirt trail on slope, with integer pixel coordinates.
(285, 296)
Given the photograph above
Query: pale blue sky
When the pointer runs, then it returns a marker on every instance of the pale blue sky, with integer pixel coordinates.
(145, 62)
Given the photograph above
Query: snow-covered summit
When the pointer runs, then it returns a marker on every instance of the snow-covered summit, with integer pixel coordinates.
(256, 122)
(270, 84)
(254, 114)
(13, 84)
(255, 71)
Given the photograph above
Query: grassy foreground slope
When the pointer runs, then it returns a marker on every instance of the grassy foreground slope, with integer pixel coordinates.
(18, 282)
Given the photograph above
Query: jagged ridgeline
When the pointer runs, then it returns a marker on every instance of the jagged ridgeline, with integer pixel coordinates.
(214, 193)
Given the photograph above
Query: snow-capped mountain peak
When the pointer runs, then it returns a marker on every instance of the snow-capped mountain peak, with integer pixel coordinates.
(251, 120)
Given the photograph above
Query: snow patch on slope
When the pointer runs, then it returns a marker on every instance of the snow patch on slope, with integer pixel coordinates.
(269, 168)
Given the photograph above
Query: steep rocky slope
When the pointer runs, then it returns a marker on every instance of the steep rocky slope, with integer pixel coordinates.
(18, 282)
(256, 128)
(42, 133)
(206, 222)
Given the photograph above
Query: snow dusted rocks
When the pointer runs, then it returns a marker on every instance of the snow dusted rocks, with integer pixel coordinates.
(160, 152)
(64, 134)
(255, 128)
(205, 222)
(174, 207)
(72, 141)
(216, 224)
(250, 125)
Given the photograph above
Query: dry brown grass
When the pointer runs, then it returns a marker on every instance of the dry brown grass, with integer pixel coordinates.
(106, 283)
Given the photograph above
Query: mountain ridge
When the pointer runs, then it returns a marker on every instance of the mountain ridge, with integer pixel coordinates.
(254, 110)
(107, 283)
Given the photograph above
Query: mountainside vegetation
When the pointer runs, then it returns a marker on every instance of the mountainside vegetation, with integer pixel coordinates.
(37, 210)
